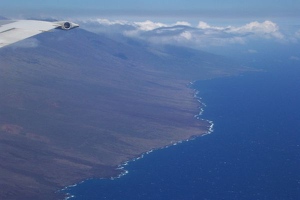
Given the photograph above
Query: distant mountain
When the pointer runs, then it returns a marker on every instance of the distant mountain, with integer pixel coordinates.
(74, 105)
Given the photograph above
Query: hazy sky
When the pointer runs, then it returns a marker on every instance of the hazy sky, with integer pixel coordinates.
(196, 8)
(204, 24)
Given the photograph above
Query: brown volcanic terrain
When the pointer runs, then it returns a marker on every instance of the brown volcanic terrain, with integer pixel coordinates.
(79, 104)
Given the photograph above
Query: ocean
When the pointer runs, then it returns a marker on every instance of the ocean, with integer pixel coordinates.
(252, 154)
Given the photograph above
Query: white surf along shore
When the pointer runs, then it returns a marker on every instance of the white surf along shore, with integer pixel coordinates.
(122, 166)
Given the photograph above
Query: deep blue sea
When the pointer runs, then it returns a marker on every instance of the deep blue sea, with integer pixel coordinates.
(253, 153)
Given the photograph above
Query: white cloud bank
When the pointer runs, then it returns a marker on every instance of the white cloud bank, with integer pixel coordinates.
(184, 33)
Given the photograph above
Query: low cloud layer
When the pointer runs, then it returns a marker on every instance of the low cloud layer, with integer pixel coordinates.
(183, 33)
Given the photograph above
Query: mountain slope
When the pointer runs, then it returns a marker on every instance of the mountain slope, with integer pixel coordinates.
(74, 105)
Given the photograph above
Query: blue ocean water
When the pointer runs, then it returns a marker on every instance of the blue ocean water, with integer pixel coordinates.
(253, 153)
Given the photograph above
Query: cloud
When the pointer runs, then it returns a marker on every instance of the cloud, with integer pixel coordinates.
(266, 29)
(108, 22)
(183, 33)
(148, 25)
(187, 35)
(204, 25)
(182, 23)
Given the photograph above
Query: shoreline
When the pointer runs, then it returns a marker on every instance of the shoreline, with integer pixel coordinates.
(124, 164)
(65, 123)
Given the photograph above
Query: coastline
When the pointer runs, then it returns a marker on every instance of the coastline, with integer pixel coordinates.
(64, 123)
(232, 163)
(123, 165)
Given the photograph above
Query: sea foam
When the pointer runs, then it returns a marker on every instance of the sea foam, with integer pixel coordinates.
(172, 143)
